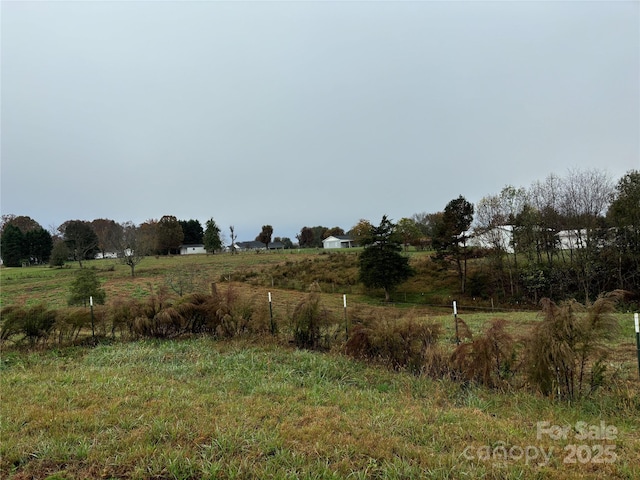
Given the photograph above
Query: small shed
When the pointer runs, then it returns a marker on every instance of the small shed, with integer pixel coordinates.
(338, 241)
(192, 249)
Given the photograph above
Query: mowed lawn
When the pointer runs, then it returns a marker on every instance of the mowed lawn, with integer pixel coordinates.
(199, 408)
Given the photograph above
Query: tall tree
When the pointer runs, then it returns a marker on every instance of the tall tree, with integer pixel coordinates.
(546, 198)
(265, 235)
(452, 235)
(382, 264)
(108, 233)
(193, 232)
(59, 254)
(149, 233)
(494, 224)
(212, 238)
(408, 231)
(585, 197)
(305, 237)
(12, 246)
(80, 238)
(361, 231)
(39, 245)
(624, 216)
(170, 234)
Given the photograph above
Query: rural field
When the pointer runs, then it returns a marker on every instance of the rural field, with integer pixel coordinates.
(247, 400)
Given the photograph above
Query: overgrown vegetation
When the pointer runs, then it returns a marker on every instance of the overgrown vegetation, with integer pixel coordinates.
(567, 351)
(564, 354)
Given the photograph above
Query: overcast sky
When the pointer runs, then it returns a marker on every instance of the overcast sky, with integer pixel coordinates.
(306, 113)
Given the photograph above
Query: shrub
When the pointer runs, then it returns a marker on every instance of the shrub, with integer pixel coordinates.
(566, 351)
(33, 323)
(122, 314)
(402, 343)
(489, 359)
(85, 285)
(200, 312)
(69, 323)
(310, 323)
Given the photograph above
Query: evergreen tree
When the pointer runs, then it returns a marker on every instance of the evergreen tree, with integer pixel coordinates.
(85, 285)
(39, 245)
(193, 232)
(381, 263)
(212, 240)
(12, 246)
(451, 235)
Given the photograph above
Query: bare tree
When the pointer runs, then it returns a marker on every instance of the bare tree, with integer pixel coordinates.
(133, 246)
(545, 198)
(585, 197)
(495, 221)
(80, 238)
(233, 239)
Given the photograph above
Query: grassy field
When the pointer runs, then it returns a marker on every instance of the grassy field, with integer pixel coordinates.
(255, 407)
(203, 409)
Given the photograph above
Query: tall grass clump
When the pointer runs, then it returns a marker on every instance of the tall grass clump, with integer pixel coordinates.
(489, 359)
(71, 322)
(404, 343)
(311, 323)
(567, 350)
(224, 315)
(31, 324)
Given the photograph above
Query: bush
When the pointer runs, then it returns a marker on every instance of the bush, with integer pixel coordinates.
(85, 286)
(310, 323)
(489, 359)
(566, 351)
(401, 344)
(33, 323)
(69, 323)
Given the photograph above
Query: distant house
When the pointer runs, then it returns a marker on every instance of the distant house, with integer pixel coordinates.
(255, 245)
(192, 249)
(337, 241)
(102, 255)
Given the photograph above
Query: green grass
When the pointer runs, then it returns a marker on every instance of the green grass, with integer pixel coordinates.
(202, 409)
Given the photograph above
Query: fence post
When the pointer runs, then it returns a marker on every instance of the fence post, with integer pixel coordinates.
(455, 319)
(346, 320)
(637, 322)
(273, 326)
(93, 329)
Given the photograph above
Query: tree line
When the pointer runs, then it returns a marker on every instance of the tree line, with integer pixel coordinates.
(576, 235)
(573, 236)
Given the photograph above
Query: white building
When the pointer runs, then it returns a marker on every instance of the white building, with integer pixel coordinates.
(500, 237)
(192, 249)
(338, 241)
